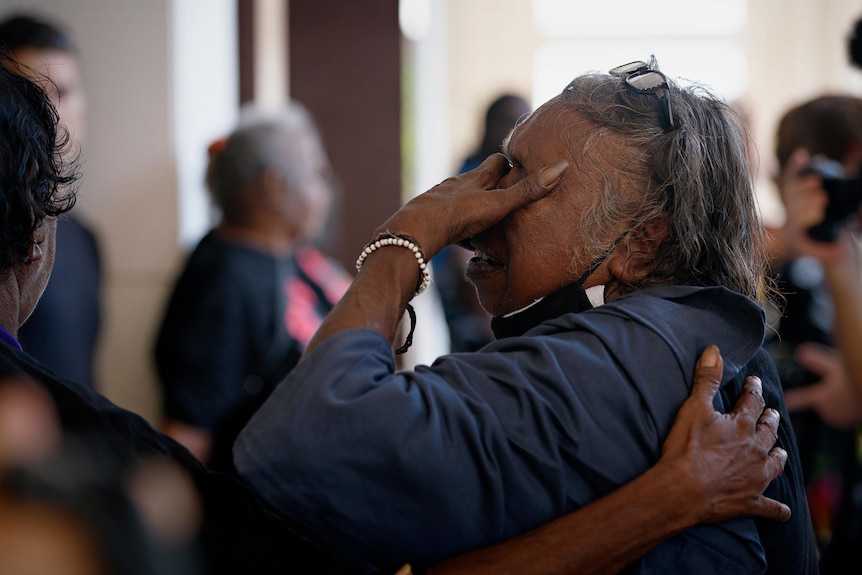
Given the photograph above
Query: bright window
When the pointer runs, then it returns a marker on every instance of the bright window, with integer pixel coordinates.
(693, 41)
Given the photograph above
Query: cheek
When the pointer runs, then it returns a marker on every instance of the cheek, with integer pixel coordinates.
(544, 234)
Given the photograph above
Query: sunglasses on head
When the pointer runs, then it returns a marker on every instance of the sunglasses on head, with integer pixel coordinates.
(639, 76)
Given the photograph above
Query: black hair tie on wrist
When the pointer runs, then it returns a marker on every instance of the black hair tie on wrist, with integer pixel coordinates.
(409, 341)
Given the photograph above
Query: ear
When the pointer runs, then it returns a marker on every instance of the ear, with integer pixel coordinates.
(270, 189)
(34, 253)
(634, 258)
(279, 202)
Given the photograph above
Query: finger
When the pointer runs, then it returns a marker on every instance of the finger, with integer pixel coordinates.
(767, 508)
(770, 508)
(814, 357)
(776, 462)
(750, 403)
(766, 432)
(533, 187)
(707, 375)
(799, 159)
(801, 397)
(492, 168)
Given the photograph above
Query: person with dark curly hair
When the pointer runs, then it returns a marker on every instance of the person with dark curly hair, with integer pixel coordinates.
(35, 183)
(63, 331)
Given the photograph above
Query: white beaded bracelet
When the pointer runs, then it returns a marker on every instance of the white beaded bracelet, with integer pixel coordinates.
(395, 240)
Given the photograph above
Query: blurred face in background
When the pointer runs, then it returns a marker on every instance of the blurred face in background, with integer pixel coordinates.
(66, 86)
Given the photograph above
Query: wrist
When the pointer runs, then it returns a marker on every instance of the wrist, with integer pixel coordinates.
(389, 239)
(673, 477)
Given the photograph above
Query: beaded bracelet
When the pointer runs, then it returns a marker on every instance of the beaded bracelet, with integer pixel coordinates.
(389, 239)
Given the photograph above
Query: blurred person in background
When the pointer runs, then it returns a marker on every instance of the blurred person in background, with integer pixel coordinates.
(469, 324)
(255, 288)
(817, 261)
(818, 142)
(63, 332)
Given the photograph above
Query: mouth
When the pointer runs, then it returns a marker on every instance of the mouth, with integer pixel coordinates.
(481, 255)
(482, 263)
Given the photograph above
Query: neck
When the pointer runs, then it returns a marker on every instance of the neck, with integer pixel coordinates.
(10, 303)
(269, 239)
(572, 298)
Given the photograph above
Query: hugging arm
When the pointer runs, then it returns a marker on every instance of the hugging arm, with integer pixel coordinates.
(713, 467)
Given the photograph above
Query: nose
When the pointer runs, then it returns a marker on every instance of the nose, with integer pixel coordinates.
(511, 177)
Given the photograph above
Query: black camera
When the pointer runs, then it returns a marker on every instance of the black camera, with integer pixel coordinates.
(845, 196)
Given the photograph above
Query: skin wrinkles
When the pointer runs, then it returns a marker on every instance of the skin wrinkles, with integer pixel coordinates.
(582, 148)
(589, 150)
(531, 243)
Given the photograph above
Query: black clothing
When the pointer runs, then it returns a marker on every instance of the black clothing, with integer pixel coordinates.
(63, 330)
(239, 534)
(790, 545)
(828, 455)
(236, 323)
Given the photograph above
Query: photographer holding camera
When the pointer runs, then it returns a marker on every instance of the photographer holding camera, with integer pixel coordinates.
(816, 264)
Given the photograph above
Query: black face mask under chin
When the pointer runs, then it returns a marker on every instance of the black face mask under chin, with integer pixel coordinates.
(568, 299)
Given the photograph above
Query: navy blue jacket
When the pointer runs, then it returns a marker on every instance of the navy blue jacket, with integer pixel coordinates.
(417, 466)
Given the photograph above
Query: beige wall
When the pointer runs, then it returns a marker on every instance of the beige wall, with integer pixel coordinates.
(491, 45)
(146, 132)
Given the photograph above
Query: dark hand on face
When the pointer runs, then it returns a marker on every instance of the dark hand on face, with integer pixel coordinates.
(533, 250)
(461, 207)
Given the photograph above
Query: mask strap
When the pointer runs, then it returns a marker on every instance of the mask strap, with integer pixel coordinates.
(601, 259)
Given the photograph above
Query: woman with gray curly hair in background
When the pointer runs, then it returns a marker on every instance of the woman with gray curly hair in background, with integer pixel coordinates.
(255, 288)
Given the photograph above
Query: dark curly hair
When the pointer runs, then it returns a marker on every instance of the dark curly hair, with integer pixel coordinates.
(36, 177)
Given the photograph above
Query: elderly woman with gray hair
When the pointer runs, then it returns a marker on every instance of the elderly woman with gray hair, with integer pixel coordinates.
(255, 289)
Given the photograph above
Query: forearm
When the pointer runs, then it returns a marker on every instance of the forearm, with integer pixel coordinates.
(600, 538)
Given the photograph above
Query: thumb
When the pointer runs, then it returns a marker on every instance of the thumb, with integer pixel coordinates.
(536, 186)
(707, 376)
(799, 159)
(549, 177)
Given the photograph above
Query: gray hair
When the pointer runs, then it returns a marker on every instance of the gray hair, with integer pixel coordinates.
(286, 143)
(695, 177)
